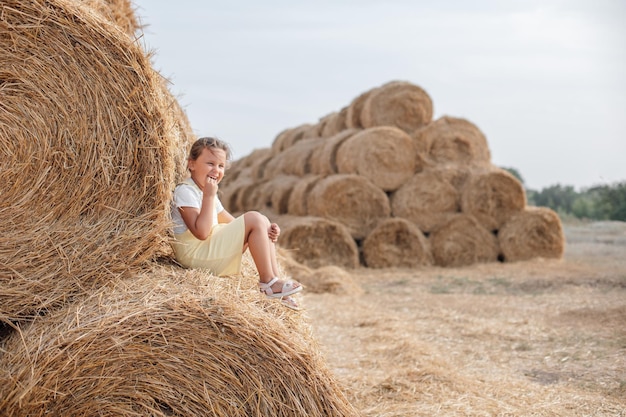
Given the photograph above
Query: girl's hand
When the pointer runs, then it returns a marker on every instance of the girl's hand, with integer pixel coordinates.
(210, 187)
(273, 232)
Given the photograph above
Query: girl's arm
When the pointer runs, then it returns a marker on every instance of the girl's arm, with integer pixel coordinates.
(224, 217)
(200, 221)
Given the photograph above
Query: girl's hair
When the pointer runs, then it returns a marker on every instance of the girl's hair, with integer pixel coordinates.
(208, 143)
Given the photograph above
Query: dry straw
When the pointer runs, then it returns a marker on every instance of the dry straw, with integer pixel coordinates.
(169, 343)
(534, 232)
(384, 155)
(317, 242)
(335, 123)
(297, 204)
(492, 196)
(397, 103)
(451, 140)
(463, 241)
(350, 199)
(398, 243)
(119, 12)
(428, 199)
(324, 160)
(90, 149)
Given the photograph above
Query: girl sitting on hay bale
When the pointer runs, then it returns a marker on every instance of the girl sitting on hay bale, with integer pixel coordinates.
(207, 236)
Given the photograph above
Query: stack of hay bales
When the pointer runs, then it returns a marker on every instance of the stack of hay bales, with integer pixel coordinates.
(92, 322)
(407, 190)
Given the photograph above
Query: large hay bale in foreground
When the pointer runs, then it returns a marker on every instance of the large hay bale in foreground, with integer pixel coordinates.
(397, 103)
(317, 242)
(119, 12)
(350, 199)
(384, 155)
(91, 151)
(492, 196)
(534, 232)
(452, 140)
(397, 243)
(463, 241)
(169, 343)
(428, 200)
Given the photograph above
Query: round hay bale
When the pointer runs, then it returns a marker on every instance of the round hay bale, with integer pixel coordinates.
(428, 200)
(296, 160)
(297, 204)
(324, 160)
(334, 280)
(172, 343)
(317, 242)
(492, 196)
(384, 155)
(463, 241)
(400, 104)
(252, 158)
(534, 232)
(335, 123)
(397, 243)
(353, 113)
(352, 200)
(279, 190)
(452, 140)
(90, 155)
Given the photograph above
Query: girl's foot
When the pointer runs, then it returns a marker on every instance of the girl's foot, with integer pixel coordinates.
(276, 288)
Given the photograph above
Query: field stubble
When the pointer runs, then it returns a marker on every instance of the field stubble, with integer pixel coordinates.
(541, 337)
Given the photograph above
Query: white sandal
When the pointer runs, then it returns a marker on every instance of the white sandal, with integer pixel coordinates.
(289, 288)
(290, 303)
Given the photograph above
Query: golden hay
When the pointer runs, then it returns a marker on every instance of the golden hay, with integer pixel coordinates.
(119, 12)
(353, 114)
(170, 342)
(351, 200)
(288, 137)
(317, 242)
(428, 200)
(384, 155)
(397, 103)
(534, 232)
(492, 196)
(463, 241)
(324, 159)
(294, 160)
(398, 243)
(452, 140)
(279, 189)
(335, 123)
(90, 151)
(297, 204)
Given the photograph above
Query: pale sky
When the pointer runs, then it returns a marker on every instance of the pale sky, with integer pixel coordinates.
(545, 80)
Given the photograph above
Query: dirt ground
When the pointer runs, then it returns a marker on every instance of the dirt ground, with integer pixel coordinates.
(535, 338)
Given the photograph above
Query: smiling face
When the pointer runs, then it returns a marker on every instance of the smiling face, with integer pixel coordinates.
(211, 163)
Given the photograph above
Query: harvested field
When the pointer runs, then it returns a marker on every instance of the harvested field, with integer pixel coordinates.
(540, 337)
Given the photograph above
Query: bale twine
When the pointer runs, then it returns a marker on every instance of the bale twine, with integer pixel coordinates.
(90, 155)
(384, 155)
(463, 241)
(324, 159)
(492, 196)
(400, 104)
(534, 232)
(398, 243)
(452, 140)
(169, 343)
(353, 113)
(351, 200)
(428, 200)
(317, 242)
(297, 204)
(335, 123)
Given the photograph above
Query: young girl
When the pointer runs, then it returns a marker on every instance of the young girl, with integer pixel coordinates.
(207, 236)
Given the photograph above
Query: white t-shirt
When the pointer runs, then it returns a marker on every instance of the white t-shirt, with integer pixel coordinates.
(187, 194)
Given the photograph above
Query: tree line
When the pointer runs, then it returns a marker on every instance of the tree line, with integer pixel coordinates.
(599, 202)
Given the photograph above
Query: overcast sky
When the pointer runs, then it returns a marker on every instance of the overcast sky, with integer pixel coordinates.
(544, 80)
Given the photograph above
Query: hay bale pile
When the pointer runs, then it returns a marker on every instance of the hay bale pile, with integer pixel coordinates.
(409, 190)
(92, 144)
